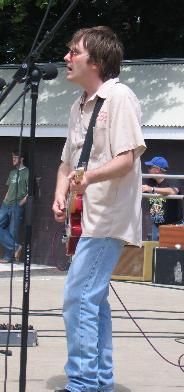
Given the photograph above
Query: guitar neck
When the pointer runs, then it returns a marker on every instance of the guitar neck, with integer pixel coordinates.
(79, 173)
(74, 196)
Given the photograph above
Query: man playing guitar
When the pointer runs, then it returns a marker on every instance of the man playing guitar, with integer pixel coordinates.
(111, 193)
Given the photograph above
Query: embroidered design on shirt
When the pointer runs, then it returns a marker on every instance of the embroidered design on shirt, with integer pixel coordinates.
(102, 118)
(157, 209)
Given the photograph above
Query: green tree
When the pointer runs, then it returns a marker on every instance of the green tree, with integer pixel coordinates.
(147, 28)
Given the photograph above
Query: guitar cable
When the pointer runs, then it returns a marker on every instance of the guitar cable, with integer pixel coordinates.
(181, 367)
(63, 265)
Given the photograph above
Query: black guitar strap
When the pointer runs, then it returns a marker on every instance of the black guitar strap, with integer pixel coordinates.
(86, 149)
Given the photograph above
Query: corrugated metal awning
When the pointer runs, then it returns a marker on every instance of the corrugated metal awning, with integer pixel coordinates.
(163, 133)
(159, 87)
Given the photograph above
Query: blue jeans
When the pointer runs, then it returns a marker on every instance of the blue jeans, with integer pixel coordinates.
(155, 232)
(87, 314)
(10, 220)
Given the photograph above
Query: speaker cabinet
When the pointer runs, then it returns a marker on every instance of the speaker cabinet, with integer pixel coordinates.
(135, 263)
(168, 266)
(171, 235)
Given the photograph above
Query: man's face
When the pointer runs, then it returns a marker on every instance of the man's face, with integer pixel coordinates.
(16, 160)
(154, 170)
(78, 68)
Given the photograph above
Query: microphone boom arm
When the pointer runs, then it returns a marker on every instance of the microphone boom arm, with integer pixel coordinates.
(14, 103)
(21, 72)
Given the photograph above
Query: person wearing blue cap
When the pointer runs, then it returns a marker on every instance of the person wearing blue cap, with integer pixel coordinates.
(162, 211)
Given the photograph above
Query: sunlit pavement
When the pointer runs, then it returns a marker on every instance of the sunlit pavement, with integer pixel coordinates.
(138, 367)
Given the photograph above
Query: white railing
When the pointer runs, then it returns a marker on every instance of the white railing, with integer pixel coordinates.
(173, 176)
(147, 195)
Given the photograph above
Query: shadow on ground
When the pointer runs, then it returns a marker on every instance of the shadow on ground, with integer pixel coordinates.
(56, 381)
(60, 381)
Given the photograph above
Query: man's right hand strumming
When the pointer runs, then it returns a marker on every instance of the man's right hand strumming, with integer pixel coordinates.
(59, 209)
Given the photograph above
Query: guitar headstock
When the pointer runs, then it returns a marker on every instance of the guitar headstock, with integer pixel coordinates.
(79, 172)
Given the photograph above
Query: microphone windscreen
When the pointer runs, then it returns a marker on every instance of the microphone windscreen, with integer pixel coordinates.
(49, 71)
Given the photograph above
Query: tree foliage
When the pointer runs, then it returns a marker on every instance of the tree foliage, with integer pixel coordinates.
(148, 29)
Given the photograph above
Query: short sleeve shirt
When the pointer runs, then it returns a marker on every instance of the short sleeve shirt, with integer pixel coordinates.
(17, 192)
(111, 208)
(165, 211)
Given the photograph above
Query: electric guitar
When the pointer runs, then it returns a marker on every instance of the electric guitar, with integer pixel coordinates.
(73, 216)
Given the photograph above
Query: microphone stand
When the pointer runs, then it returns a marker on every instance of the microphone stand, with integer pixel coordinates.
(28, 67)
(35, 80)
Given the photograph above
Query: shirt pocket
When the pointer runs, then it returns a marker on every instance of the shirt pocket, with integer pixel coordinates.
(99, 143)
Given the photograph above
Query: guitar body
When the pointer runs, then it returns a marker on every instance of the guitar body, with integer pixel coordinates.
(73, 228)
(73, 217)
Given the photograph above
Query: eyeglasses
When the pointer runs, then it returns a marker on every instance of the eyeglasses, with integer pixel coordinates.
(154, 166)
(73, 52)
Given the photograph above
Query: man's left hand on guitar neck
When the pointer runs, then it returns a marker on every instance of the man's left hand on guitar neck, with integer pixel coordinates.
(80, 186)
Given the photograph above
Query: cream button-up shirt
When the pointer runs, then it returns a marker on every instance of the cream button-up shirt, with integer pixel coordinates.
(111, 208)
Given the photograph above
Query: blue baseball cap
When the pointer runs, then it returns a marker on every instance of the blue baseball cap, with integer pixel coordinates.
(159, 162)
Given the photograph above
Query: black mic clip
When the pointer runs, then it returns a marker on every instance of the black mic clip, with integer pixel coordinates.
(2, 84)
(8, 353)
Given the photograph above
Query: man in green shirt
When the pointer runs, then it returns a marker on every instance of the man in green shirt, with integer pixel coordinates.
(12, 209)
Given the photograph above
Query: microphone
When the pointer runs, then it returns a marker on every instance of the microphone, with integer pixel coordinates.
(48, 71)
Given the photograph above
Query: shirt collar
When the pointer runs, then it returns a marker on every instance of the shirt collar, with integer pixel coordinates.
(104, 88)
(102, 92)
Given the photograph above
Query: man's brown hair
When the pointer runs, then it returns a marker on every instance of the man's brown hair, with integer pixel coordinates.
(104, 49)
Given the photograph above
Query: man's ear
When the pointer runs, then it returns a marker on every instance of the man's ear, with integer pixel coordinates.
(94, 66)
